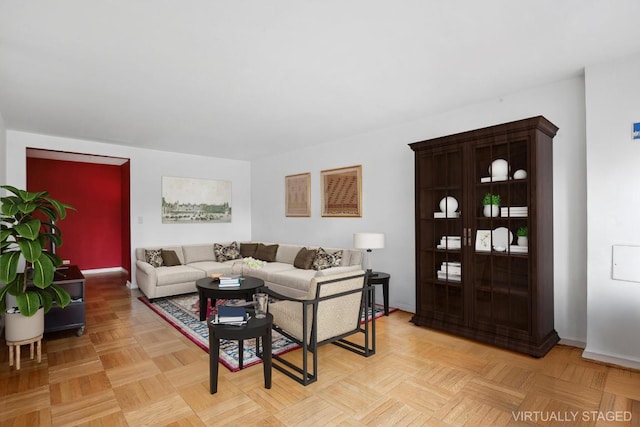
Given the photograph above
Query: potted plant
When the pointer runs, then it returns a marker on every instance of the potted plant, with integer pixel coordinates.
(27, 228)
(523, 233)
(491, 204)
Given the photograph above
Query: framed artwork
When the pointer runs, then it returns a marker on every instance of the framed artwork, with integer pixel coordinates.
(483, 240)
(297, 195)
(191, 200)
(342, 192)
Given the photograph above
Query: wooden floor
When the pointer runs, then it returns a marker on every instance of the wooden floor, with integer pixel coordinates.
(132, 368)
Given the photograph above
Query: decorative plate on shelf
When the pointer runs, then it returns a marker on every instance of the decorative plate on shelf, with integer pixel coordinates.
(501, 237)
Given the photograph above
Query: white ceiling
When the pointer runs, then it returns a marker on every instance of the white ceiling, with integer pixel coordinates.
(245, 78)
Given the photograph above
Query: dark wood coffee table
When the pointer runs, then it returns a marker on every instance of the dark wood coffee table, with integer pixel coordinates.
(209, 288)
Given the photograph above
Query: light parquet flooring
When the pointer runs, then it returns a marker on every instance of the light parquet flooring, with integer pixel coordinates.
(131, 368)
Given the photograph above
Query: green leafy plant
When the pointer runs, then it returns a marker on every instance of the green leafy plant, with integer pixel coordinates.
(27, 228)
(491, 199)
(522, 232)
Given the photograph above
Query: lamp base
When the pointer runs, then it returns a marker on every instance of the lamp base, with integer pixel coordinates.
(370, 273)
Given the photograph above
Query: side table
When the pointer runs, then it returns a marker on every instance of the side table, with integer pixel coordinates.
(260, 329)
(379, 278)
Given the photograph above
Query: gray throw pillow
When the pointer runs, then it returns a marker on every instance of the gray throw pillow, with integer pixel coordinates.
(170, 258)
(266, 252)
(304, 258)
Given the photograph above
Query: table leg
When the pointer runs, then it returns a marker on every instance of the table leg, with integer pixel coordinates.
(266, 358)
(385, 295)
(240, 353)
(214, 354)
(203, 305)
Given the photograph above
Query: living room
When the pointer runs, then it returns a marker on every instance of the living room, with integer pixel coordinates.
(594, 161)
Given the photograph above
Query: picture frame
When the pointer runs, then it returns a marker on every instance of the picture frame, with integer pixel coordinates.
(195, 201)
(297, 195)
(342, 192)
(483, 240)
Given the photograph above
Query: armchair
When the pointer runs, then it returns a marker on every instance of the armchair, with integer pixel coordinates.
(331, 311)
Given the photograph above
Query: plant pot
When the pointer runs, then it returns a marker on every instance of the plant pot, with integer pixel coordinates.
(491, 210)
(523, 241)
(19, 328)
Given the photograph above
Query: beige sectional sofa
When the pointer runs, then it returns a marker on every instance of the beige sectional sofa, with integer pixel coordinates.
(193, 262)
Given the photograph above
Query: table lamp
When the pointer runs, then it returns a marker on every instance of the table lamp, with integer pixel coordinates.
(368, 241)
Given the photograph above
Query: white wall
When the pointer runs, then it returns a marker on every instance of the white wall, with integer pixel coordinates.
(3, 153)
(613, 104)
(147, 168)
(388, 198)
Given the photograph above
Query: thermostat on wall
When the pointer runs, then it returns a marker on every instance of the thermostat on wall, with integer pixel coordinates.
(636, 131)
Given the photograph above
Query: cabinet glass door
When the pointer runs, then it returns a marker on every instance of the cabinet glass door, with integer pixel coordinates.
(440, 268)
(501, 269)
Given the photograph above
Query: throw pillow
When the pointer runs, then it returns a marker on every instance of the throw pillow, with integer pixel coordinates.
(248, 249)
(324, 259)
(304, 259)
(226, 252)
(266, 252)
(153, 257)
(170, 258)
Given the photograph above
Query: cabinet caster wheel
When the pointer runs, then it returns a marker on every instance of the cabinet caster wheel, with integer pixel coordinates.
(80, 331)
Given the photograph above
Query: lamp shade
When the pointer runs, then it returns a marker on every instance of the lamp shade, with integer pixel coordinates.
(368, 240)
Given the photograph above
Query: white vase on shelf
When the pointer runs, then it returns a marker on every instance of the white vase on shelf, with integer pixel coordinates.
(523, 241)
(491, 210)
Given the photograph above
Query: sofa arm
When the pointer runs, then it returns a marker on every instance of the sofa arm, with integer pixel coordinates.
(337, 270)
(146, 278)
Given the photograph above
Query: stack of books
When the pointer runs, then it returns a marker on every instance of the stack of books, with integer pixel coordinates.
(507, 211)
(446, 214)
(518, 249)
(230, 315)
(229, 280)
(449, 242)
(451, 271)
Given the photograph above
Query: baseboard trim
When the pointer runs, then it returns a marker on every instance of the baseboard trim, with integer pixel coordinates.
(104, 270)
(612, 360)
(573, 343)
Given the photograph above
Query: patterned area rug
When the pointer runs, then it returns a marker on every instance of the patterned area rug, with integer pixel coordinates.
(183, 313)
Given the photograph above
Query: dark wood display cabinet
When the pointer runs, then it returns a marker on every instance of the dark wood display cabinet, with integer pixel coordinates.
(473, 279)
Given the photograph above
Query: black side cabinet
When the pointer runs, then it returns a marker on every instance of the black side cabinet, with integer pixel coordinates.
(72, 316)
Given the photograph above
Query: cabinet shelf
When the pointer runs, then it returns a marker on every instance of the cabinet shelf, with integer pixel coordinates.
(503, 298)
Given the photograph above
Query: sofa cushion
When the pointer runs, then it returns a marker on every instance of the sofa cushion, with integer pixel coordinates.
(266, 253)
(294, 279)
(226, 252)
(195, 253)
(210, 267)
(324, 259)
(170, 258)
(178, 274)
(265, 272)
(304, 259)
(153, 257)
(248, 249)
(287, 253)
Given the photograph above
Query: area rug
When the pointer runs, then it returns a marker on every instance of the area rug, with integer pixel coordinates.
(183, 313)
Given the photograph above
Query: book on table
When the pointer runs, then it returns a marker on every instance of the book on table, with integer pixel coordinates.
(231, 314)
(229, 280)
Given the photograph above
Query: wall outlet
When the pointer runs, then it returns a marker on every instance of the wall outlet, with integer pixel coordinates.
(66, 262)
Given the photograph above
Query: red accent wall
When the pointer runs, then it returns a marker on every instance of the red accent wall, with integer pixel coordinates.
(93, 234)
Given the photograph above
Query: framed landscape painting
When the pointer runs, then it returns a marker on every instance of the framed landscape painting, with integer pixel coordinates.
(191, 200)
(297, 195)
(342, 192)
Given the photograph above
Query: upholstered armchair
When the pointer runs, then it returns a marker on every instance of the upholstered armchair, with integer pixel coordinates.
(331, 312)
